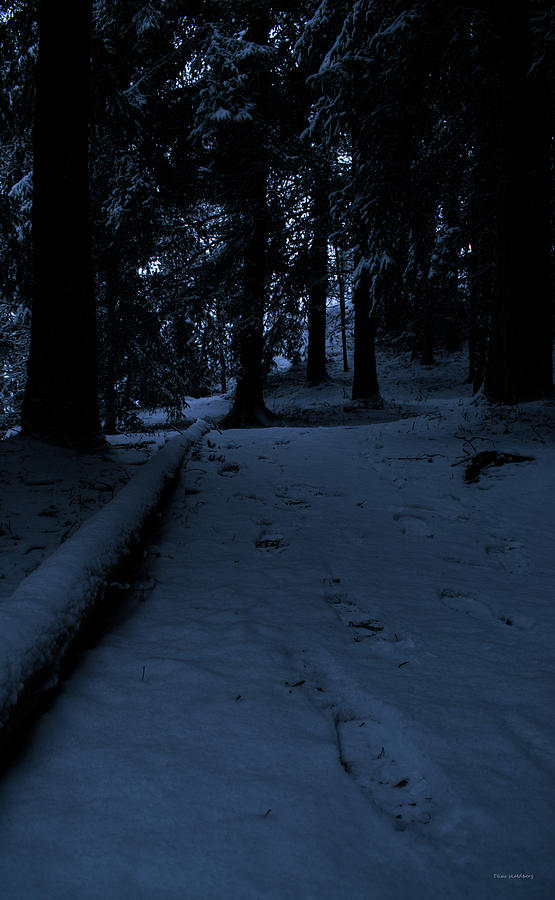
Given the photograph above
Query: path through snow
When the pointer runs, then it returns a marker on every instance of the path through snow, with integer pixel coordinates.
(339, 687)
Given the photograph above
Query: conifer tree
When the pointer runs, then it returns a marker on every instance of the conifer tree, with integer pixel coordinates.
(234, 126)
(60, 402)
(519, 364)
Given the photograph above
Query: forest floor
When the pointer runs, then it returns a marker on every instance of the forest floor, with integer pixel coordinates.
(340, 682)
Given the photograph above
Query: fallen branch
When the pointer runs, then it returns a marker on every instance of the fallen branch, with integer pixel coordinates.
(487, 458)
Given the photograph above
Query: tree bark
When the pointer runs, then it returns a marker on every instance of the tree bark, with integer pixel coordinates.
(248, 404)
(340, 272)
(316, 371)
(60, 402)
(365, 379)
(220, 333)
(519, 363)
(480, 272)
(109, 371)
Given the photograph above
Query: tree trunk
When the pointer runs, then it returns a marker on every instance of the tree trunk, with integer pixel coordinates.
(519, 364)
(60, 402)
(418, 286)
(452, 336)
(480, 273)
(220, 333)
(426, 339)
(248, 405)
(481, 223)
(318, 288)
(365, 379)
(340, 272)
(110, 367)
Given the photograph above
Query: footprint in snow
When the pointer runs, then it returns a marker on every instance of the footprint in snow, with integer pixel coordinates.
(363, 625)
(291, 502)
(386, 769)
(518, 621)
(509, 556)
(413, 524)
(375, 747)
(241, 496)
(296, 503)
(303, 489)
(465, 603)
(338, 599)
(228, 470)
(272, 543)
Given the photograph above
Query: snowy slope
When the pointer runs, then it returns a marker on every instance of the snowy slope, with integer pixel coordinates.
(340, 685)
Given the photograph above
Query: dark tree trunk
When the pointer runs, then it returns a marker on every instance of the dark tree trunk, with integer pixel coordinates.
(223, 370)
(220, 330)
(480, 274)
(110, 399)
(426, 340)
(452, 336)
(418, 284)
(481, 216)
(60, 402)
(519, 364)
(340, 271)
(248, 405)
(365, 379)
(109, 370)
(448, 298)
(318, 288)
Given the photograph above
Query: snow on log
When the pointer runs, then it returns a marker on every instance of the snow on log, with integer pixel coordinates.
(41, 619)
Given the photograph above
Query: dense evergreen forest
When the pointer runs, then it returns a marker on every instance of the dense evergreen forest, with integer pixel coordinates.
(185, 187)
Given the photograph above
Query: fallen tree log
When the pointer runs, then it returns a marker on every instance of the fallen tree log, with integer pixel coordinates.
(44, 618)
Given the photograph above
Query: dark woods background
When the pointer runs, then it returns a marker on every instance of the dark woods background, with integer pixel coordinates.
(186, 186)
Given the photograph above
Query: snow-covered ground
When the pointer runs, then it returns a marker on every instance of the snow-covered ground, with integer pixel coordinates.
(48, 492)
(340, 684)
(40, 621)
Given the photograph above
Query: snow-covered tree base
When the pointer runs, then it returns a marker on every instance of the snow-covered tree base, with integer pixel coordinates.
(375, 402)
(256, 415)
